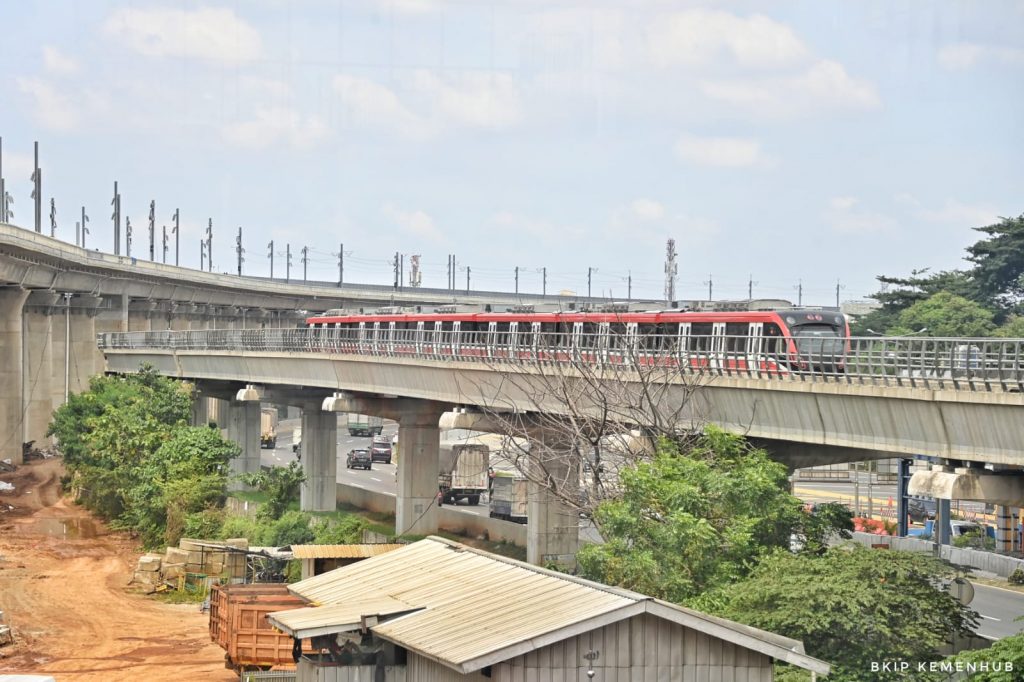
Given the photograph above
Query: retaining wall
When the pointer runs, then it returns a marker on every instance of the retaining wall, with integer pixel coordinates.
(983, 561)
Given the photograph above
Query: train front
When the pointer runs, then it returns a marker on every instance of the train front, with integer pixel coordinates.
(820, 340)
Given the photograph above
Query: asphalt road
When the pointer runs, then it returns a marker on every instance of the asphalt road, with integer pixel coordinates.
(998, 609)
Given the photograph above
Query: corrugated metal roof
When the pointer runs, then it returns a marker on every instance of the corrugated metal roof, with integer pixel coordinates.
(461, 590)
(324, 620)
(341, 551)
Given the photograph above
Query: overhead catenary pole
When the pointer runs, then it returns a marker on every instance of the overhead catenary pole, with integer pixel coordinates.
(544, 281)
(305, 261)
(239, 250)
(401, 271)
(116, 218)
(177, 234)
(287, 262)
(517, 279)
(202, 254)
(270, 255)
(164, 244)
(799, 292)
(394, 267)
(468, 270)
(671, 270)
(750, 288)
(629, 285)
(37, 189)
(128, 236)
(341, 264)
(53, 217)
(711, 286)
(590, 272)
(152, 230)
(85, 230)
(209, 245)
(78, 231)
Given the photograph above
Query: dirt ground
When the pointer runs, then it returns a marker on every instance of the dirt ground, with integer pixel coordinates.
(64, 590)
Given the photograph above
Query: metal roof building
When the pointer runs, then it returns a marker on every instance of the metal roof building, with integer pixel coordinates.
(317, 559)
(436, 610)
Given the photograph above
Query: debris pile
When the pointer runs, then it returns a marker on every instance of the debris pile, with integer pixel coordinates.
(193, 562)
(5, 632)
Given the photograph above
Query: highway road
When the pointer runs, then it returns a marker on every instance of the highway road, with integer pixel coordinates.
(998, 608)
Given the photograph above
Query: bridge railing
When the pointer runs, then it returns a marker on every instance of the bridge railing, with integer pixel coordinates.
(944, 363)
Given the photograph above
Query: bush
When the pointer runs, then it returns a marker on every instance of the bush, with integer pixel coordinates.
(975, 539)
(1017, 577)
(204, 524)
(344, 531)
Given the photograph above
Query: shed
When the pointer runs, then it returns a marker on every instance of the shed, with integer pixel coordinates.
(439, 611)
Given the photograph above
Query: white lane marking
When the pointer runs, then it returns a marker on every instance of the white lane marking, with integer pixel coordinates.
(356, 485)
(990, 617)
(350, 440)
(374, 478)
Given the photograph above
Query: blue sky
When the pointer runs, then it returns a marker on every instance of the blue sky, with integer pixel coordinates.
(788, 141)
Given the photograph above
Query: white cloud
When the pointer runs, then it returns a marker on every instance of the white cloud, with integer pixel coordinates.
(844, 215)
(205, 33)
(577, 39)
(417, 223)
(58, 63)
(537, 229)
(961, 56)
(824, 85)
(271, 126)
(726, 152)
(53, 109)
(966, 215)
(265, 87)
(697, 37)
(647, 209)
(371, 104)
(476, 100)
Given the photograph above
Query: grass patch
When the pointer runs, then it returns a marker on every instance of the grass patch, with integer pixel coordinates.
(250, 496)
(187, 596)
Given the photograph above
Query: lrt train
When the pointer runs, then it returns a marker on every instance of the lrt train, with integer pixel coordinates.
(773, 341)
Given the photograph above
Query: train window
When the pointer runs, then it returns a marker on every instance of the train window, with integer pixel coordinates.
(502, 333)
(736, 336)
(700, 336)
(773, 343)
(589, 339)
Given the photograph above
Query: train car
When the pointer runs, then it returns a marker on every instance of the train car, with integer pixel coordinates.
(725, 340)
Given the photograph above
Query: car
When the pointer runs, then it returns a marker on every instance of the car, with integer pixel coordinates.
(359, 459)
(380, 450)
(920, 509)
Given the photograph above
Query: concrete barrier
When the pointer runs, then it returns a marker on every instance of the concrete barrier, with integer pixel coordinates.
(449, 519)
(983, 561)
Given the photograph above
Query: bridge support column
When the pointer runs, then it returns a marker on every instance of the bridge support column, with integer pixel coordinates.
(81, 359)
(37, 368)
(319, 458)
(1004, 528)
(244, 429)
(12, 302)
(552, 531)
(419, 444)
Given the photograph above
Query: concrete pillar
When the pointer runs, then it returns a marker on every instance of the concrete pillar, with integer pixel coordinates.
(179, 323)
(58, 327)
(244, 429)
(319, 459)
(217, 411)
(139, 321)
(112, 318)
(38, 406)
(419, 440)
(199, 413)
(11, 375)
(1004, 528)
(552, 532)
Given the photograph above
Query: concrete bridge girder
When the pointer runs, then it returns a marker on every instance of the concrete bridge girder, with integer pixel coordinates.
(969, 484)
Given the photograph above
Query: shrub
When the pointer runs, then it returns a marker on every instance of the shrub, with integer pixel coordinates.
(1017, 577)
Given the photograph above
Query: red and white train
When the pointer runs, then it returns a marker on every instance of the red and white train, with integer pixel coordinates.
(774, 341)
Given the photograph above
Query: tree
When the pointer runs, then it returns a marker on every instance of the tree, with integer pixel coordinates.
(851, 606)
(696, 519)
(998, 270)
(945, 315)
(1013, 328)
(281, 485)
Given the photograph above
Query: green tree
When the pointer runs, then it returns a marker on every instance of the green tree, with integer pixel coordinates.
(281, 484)
(945, 314)
(692, 520)
(998, 260)
(1013, 328)
(851, 606)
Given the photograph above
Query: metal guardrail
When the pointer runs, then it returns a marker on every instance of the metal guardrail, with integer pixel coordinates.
(943, 363)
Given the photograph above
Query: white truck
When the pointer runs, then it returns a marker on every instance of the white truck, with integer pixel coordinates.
(508, 499)
(364, 425)
(462, 472)
(268, 427)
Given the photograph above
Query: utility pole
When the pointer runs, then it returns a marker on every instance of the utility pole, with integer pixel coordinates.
(37, 190)
(53, 217)
(544, 281)
(177, 233)
(209, 245)
(116, 203)
(152, 230)
(239, 250)
(449, 272)
(589, 274)
(711, 285)
(341, 264)
(629, 285)
(671, 270)
(838, 287)
(750, 288)
(164, 243)
(305, 261)
(85, 230)
(270, 255)
(288, 262)
(395, 266)
(468, 269)
(202, 255)
(517, 279)
(799, 292)
(128, 236)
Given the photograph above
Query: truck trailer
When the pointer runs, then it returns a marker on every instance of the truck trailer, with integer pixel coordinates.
(462, 472)
(508, 499)
(364, 425)
(268, 427)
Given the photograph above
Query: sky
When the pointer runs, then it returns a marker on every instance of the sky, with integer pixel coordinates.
(787, 144)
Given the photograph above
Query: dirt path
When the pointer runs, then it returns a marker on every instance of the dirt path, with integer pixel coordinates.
(63, 589)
